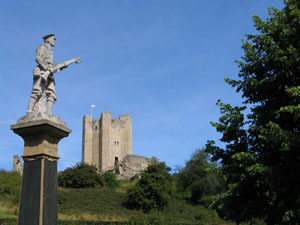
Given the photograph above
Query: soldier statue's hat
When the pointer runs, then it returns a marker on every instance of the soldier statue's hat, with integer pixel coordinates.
(47, 36)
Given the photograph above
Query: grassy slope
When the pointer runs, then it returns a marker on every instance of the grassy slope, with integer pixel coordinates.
(108, 205)
(6, 215)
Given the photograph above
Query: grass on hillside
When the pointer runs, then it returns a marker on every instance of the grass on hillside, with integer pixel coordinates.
(6, 215)
(109, 205)
(7, 207)
(104, 204)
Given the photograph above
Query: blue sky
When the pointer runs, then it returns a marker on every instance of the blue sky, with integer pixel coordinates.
(163, 62)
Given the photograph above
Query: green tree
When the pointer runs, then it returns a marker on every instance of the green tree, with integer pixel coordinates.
(199, 177)
(80, 176)
(153, 189)
(261, 160)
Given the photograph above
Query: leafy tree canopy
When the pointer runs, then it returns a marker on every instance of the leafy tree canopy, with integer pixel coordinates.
(199, 176)
(153, 189)
(80, 176)
(261, 160)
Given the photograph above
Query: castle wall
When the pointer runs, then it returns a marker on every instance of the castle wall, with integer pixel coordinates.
(96, 139)
(104, 148)
(133, 165)
(106, 141)
(116, 139)
(87, 139)
(126, 138)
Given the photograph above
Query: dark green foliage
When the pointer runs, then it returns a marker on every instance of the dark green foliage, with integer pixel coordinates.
(10, 186)
(153, 189)
(261, 160)
(80, 176)
(110, 180)
(199, 177)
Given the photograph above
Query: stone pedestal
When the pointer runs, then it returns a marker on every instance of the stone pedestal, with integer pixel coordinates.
(38, 205)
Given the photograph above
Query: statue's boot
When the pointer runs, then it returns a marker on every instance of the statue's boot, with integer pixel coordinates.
(49, 106)
(31, 104)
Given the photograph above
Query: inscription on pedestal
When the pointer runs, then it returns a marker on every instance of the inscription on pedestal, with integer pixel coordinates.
(38, 147)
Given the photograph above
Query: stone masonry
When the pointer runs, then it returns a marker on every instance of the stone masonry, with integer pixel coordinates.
(17, 164)
(107, 144)
(133, 165)
(106, 141)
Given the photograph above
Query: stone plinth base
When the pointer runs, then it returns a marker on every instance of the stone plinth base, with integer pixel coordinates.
(37, 116)
(38, 204)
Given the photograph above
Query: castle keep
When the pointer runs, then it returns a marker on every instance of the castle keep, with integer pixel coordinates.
(106, 141)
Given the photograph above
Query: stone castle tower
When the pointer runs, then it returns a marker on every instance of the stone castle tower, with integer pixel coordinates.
(105, 142)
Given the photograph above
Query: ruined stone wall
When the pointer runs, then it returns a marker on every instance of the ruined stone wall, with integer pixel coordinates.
(17, 164)
(133, 165)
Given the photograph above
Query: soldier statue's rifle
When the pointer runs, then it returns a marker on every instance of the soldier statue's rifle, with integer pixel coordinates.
(61, 66)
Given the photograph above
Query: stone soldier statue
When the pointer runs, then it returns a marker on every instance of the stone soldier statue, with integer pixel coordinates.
(43, 79)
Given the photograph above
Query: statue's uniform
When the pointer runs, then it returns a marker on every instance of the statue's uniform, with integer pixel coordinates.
(44, 57)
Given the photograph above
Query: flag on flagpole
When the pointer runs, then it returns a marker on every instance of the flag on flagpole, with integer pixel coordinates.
(92, 106)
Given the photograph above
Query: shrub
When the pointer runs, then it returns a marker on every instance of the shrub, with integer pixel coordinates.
(80, 176)
(111, 180)
(153, 190)
(10, 186)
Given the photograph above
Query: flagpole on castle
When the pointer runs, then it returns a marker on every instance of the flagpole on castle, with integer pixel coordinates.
(92, 106)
